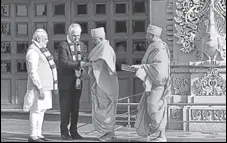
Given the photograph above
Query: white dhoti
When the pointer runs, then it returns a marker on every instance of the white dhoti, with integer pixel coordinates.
(37, 109)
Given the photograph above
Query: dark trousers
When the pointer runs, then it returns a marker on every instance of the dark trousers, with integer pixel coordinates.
(69, 107)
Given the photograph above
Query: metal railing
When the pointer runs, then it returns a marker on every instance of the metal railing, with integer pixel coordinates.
(184, 105)
(128, 104)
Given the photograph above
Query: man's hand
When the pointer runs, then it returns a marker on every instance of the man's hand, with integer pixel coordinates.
(40, 94)
(136, 66)
(85, 64)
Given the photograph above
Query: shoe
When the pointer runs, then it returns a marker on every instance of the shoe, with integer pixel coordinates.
(108, 136)
(34, 140)
(150, 138)
(45, 139)
(159, 139)
(66, 137)
(77, 136)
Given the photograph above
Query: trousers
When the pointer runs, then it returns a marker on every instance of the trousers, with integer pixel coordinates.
(69, 108)
(36, 113)
(35, 122)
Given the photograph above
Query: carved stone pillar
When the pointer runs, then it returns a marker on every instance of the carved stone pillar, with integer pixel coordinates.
(200, 39)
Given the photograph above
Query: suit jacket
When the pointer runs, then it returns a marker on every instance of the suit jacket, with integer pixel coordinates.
(66, 65)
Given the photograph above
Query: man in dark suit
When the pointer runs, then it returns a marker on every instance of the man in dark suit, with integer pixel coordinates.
(70, 57)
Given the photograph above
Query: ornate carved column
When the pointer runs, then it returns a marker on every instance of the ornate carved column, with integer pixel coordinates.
(199, 68)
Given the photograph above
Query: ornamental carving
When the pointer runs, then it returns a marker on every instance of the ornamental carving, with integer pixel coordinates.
(201, 26)
(196, 115)
(219, 115)
(208, 115)
(5, 29)
(181, 86)
(176, 114)
(5, 47)
(211, 84)
(4, 10)
(5, 66)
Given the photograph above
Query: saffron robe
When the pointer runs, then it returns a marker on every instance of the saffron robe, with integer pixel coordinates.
(105, 89)
(152, 109)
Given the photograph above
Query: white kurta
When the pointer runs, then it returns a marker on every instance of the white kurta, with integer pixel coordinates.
(31, 97)
(32, 102)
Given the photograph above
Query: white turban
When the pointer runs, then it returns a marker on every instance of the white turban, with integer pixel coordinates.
(154, 30)
(98, 33)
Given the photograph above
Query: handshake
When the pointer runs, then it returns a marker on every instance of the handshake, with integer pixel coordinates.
(85, 64)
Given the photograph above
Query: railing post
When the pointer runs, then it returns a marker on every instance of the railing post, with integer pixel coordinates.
(129, 114)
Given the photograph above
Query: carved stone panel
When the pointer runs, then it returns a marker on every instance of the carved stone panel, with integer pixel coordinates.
(5, 10)
(181, 85)
(204, 116)
(207, 115)
(210, 84)
(201, 28)
(219, 115)
(175, 114)
(188, 15)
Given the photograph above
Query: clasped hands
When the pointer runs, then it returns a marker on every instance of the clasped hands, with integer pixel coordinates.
(85, 64)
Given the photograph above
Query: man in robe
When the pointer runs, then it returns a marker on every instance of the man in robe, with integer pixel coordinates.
(41, 84)
(154, 71)
(104, 91)
(71, 55)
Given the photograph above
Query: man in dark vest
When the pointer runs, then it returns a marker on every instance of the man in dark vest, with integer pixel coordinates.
(70, 57)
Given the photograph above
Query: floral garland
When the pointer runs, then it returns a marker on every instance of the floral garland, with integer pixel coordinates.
(52, 64)
(78, 73)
